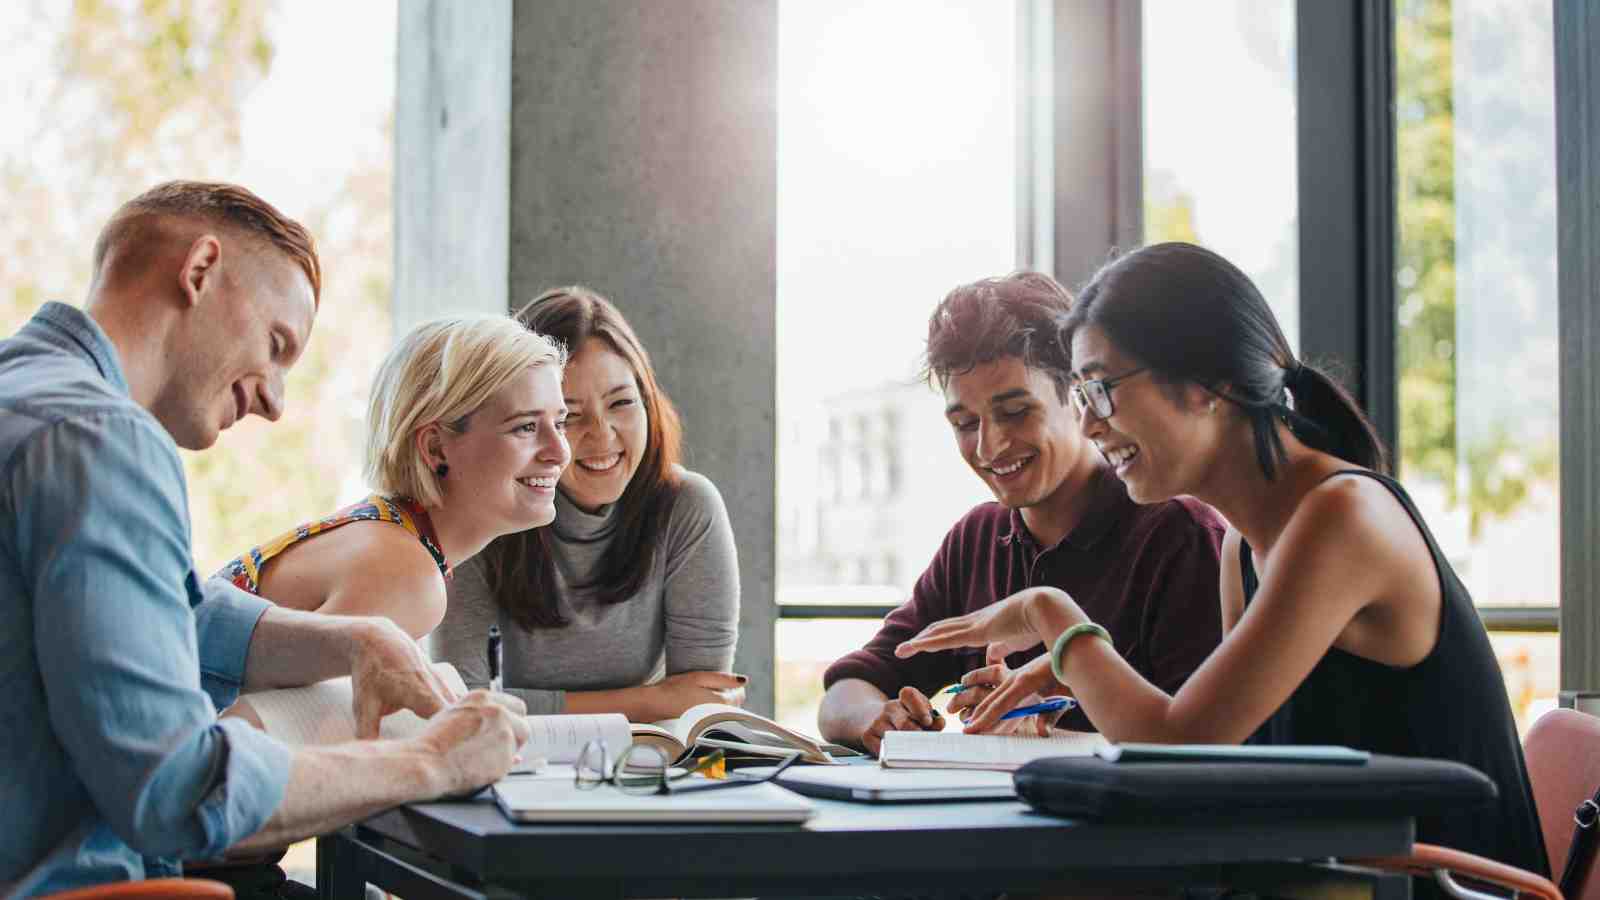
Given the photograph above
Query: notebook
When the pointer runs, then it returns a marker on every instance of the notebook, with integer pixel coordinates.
(1000, 752)
(875, 784)
(321, 713)
(543, 798)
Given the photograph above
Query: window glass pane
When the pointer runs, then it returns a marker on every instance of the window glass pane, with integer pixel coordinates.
(112, 99)
(896, 168)
(1219, 138)
(102, 101)
(1476, 287)
(1531, 665)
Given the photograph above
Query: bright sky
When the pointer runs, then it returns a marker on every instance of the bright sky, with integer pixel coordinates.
(319, 110)
(1220, 119)
(897, 160)
(895, 179)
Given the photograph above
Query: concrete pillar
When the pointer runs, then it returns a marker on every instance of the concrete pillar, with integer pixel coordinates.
(638, 155)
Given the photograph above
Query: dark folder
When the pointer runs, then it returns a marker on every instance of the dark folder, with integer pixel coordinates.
(1093, 788)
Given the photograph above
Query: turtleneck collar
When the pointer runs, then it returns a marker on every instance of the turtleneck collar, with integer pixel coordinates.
(573, 524)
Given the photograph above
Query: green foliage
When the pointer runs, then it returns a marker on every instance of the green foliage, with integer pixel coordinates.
(1425, 260)
(118, 96)
(1493, 475)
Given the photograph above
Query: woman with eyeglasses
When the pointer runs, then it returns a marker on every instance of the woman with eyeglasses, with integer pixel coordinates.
(1343, 622)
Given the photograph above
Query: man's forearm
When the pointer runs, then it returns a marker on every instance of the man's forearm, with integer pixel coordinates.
(291, 648)
(848, 707)
(330, 787)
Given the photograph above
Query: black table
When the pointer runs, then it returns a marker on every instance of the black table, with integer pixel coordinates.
(463, 850)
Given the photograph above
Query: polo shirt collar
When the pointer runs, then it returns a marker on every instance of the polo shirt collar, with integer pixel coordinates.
(73, 330)
(1107, 507)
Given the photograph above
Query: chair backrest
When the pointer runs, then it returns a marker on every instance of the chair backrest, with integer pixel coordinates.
(154, 889)
(1563, 753)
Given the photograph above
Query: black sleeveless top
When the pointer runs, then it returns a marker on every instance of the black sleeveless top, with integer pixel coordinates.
(1452, 705)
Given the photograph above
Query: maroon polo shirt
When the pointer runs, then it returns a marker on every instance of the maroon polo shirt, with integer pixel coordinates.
(1147, 573)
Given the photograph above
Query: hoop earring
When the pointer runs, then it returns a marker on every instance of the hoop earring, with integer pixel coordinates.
(441, 470)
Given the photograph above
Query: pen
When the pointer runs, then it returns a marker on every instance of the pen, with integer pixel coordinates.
(494, 658)
(956, 688)
(1054, 704)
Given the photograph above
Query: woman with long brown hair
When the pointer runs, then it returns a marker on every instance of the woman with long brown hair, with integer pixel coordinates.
(629, 602)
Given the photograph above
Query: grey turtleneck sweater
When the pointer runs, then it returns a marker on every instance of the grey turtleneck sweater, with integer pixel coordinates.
(685, 618)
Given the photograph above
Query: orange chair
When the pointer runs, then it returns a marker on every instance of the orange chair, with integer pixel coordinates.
(153, 889)
(1563, 754)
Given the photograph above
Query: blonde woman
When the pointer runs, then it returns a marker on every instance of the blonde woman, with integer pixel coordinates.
(465, 442)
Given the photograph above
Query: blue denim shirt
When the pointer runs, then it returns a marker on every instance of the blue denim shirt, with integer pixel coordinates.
(114, 658)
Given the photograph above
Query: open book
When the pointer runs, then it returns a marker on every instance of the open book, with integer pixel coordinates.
(735, 731)
(323, 713)
(1002, 752)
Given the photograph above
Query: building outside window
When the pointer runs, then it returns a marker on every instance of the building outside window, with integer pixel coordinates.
(896, 182)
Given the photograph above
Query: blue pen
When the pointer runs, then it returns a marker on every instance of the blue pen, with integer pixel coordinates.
(957, 688)
(1054, 704)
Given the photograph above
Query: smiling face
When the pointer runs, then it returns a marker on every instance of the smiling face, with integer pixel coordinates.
(250, 323)
(508, 459)
(607, 425)
(1159, 438)
(1016, 433)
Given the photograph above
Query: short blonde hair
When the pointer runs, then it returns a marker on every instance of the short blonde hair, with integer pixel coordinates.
(442, 372)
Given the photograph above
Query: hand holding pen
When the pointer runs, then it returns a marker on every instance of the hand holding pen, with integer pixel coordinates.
(1019, 688)
(1024, 710)
(910, 710)
(979, 683)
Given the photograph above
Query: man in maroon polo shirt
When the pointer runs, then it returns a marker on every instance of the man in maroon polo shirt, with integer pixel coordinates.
(1147, 573)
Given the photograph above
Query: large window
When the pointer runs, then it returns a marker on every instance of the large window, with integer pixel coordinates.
(105, 100)
(1476, 302)
(896, 182)
(110, 99)
(1219, 137)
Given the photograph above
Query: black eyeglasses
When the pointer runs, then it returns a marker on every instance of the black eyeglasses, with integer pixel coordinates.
(643, 769)
(1096, 395)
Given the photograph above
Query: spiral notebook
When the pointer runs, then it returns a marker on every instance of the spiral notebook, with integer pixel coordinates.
(1000, 752)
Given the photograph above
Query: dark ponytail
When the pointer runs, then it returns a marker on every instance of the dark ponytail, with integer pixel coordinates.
(1327, 418)
(1193, 316)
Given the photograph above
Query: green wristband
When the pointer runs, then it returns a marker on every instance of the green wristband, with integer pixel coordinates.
(1066, 637)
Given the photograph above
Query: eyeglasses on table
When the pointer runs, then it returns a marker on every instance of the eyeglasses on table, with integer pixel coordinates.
(644, 769)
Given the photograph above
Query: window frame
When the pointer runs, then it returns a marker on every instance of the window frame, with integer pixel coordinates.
(1347, 210)
(1577, 32)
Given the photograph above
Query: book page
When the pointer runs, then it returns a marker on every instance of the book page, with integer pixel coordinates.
(956, 750)
(560, 738)
(745, 725)
(324, 712)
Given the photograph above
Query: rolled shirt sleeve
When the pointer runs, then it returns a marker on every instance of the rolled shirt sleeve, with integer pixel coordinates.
(120, 621)
(225, 620)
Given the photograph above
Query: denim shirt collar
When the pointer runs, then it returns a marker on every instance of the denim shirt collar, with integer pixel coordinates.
(69, 327)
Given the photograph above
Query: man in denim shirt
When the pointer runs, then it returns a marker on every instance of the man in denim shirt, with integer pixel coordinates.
(114, 657)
